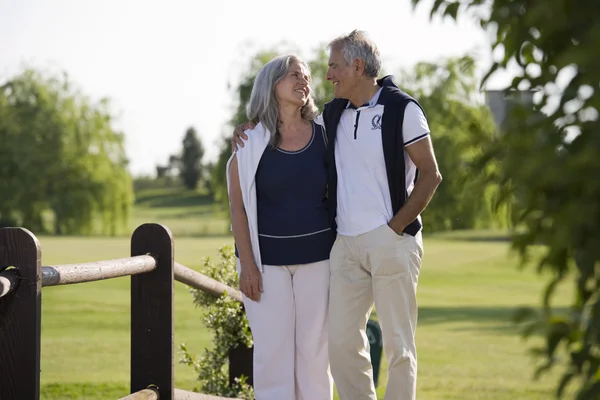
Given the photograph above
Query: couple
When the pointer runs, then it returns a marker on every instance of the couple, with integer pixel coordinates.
(325, 214)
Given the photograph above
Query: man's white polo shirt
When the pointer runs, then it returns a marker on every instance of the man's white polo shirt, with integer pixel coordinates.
(363, 194)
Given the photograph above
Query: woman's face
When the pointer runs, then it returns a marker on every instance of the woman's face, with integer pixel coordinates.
(294, 88)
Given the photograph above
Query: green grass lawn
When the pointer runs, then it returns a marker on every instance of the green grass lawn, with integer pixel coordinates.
(186, 213)
(85, 327)
(467, 347)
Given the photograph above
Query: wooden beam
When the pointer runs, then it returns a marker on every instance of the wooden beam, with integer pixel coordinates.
(144, 394)
(96, 271)
(202, 282)
(185, 395)
(9, 280)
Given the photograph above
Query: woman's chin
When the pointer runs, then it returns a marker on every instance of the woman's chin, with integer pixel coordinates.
(299, 102)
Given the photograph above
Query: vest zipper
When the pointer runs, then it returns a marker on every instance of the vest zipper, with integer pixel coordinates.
(356, 123)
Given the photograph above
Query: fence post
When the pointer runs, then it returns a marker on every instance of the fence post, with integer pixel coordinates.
(20, 316)
(152, 313)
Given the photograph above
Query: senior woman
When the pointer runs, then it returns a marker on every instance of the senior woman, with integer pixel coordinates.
(277, 192)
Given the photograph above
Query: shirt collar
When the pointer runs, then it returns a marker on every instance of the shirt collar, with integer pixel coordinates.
(371, 103)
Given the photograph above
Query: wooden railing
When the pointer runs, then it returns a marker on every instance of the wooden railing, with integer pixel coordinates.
(153, 272)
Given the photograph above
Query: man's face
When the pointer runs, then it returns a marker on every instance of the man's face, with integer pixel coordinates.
(343, 77)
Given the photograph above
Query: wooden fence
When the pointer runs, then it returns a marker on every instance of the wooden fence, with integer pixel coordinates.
(153, 271)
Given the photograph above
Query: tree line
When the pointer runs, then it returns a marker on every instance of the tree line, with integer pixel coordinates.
(64, 146)
(63, 166)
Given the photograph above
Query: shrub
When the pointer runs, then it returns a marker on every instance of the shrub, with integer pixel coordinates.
(228, 322)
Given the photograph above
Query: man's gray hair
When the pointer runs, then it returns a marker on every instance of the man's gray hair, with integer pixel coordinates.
(358, 45)
(264, 107)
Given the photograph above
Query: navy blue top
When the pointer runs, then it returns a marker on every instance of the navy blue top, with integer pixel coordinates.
(291, 189)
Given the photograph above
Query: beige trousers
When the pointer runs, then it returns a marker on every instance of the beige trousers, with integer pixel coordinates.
(289, 328)
(379, 267)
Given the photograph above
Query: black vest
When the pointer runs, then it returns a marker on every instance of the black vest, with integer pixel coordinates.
(394, 102)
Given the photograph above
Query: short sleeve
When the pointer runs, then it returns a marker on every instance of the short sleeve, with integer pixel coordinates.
(415, 126)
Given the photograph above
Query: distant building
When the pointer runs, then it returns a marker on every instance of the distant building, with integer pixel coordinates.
(501, 102)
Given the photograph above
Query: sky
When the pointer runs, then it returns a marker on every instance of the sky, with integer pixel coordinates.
(167, 66)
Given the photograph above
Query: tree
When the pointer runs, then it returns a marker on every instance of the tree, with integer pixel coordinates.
(207, 173)
(191, 159)
(60, 154)
(322, 90)
(243, 91)
(447, 91)
(218, 179)
(546, 163)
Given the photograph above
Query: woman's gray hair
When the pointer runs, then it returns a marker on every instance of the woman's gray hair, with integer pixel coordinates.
(358, 45)
(264, 107)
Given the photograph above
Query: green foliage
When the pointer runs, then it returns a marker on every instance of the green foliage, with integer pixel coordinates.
(207, 173)
(190, 161)
(322, 90)
(546, 163)
(244, 89)
(460, 124)
(225, 317)
(242, 93)
(218, 179)
(60, 154)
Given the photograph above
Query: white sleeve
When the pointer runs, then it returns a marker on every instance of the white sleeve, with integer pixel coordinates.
(415, 126)
(319, 120)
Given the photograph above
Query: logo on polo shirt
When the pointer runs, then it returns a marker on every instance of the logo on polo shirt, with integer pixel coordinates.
(376, 122)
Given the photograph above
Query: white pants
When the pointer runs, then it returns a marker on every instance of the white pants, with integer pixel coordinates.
(289, 327)
(378, 267)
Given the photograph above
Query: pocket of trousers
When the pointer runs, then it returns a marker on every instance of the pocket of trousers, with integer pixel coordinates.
(390, 257)
(393, 232)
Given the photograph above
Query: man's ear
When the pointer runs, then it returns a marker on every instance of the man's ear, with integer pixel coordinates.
(359, 66)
